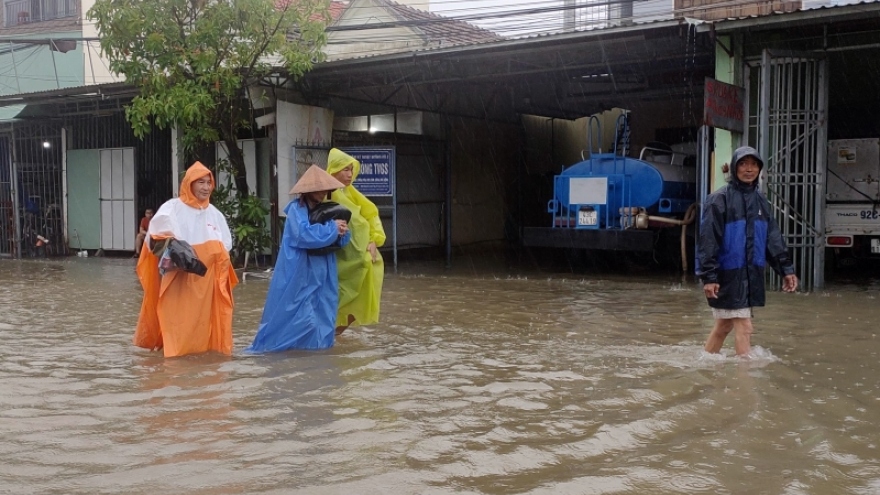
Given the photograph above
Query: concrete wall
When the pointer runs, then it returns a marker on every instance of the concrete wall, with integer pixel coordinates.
(556, 143)
(359, 43)
(710, 10)
(36, 68)
(652, 10)
(485, 158)
(25, 68)
(96, 67)
(297, 125)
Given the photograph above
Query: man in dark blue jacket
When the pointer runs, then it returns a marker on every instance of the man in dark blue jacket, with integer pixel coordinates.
(738, 237)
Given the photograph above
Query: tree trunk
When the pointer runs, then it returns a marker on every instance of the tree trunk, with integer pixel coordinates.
(236, 159)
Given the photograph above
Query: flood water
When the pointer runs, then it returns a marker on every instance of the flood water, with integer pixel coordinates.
(474, 383)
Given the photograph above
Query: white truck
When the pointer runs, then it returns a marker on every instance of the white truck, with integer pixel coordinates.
(852, 197)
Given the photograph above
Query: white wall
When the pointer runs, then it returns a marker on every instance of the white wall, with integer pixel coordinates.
(96, 69)
(359, 43)
(652, 10)
(814, 4)
(249, 151)
(298, 125)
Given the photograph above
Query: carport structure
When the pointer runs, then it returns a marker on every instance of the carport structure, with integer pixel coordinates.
(567, 76)
(494, 84)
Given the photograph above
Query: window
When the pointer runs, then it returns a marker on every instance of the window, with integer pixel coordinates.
(27, 11)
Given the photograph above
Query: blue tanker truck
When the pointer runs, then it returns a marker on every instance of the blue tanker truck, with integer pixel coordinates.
(612, 202)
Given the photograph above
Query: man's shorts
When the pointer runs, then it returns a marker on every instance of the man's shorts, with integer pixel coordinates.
(726, 314)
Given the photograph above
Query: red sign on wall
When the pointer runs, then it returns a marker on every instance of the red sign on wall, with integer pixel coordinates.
(724, 105)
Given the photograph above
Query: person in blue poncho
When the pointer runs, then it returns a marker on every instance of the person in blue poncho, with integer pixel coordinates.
(300, 310)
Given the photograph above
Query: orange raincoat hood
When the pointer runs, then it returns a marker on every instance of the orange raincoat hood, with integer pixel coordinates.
(194, 173)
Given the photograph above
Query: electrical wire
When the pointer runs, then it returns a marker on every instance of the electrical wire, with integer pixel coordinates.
(363, 35)
(501, 20)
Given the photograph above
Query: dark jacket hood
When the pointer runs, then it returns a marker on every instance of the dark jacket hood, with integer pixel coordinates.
(739, 154)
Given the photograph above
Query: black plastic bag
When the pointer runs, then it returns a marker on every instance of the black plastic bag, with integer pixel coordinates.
(180, 255)
(184, 257)
(328, 210)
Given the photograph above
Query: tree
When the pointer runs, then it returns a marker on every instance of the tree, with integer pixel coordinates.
(192, 60)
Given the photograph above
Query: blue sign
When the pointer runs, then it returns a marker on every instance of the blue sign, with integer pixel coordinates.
(376, 177)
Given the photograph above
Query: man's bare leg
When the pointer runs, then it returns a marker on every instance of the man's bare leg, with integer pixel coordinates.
(743, 342)
(138, 243)
(717, 336)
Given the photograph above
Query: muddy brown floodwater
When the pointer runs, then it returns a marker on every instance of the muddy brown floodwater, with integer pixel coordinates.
(473, 383)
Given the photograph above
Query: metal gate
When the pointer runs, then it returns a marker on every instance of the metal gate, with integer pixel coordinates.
(32, 171)
(787, 123)
(8, 212)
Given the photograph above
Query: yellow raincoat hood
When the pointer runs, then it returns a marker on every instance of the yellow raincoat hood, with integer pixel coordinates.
(338, 160)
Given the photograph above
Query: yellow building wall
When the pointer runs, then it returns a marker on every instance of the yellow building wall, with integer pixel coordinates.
(725, 141)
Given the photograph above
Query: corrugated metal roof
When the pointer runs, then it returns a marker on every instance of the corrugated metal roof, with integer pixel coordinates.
(109, 90)
(521, 40)
(462, 36)
(566, 75)
(812, 11)
(816, 8)
(9, 114)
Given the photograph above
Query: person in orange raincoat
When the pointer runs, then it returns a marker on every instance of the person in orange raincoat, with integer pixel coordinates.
(184, 313)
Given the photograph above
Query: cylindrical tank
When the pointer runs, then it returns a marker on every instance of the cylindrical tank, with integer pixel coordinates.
(642, 189)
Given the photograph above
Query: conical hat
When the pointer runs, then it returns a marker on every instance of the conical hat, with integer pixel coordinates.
(314, 180)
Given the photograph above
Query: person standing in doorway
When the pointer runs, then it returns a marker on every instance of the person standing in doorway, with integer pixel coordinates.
(361, 269)
(143, 227)
(738, 238)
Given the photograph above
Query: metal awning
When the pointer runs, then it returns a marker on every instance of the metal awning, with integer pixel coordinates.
(566, 75)
(10, 113)
(94, 91)
(569, 75)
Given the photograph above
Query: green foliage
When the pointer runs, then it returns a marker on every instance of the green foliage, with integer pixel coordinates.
(251, 229)
(246, 215)
(192, 58)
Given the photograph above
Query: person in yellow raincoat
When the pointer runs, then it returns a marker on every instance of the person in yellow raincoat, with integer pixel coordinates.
(184, 313)
(360, 266)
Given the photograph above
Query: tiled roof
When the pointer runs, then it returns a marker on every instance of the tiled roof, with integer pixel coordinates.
(438, 29)
(336, 10)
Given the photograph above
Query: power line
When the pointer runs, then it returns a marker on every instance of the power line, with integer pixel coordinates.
(541, 17)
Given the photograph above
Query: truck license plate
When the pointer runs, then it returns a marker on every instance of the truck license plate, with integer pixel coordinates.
(587, 217)
(875, 246)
